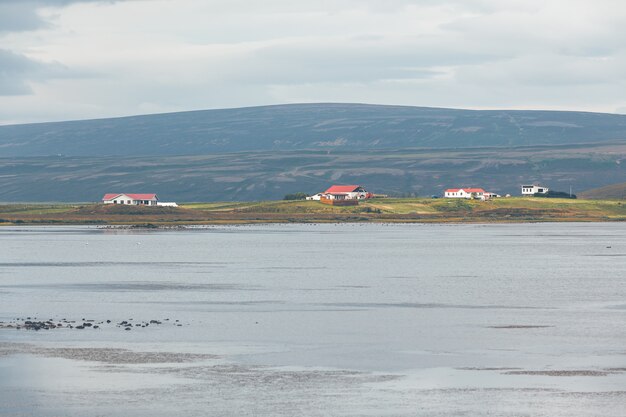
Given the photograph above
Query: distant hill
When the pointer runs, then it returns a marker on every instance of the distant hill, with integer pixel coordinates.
(246, 176)
(345, 127)
(262, 153)
(614, 191)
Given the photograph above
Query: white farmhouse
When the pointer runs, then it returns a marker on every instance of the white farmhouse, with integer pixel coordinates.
(468, 193)
(530, 190)
(342, 192)
(348, 192)
(132, 199)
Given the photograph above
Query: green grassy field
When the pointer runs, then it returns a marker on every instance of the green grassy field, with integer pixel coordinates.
(422, 206)
(515, 209)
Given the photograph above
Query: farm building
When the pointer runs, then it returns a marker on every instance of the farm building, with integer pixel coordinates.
(338, 199)
(316, 197)
(136, 200)
(342, 195)
(530, 190)
(468, 193)
(347, 192)
(132, 199)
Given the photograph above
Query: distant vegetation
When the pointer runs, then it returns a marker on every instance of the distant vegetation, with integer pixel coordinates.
(555, 194)
(296, 196)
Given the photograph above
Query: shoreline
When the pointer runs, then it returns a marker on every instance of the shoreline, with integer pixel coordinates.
(413, 210)
(198, 225)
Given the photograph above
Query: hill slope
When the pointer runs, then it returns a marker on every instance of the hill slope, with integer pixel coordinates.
(613, 191)
(270, 175)
(353, 127)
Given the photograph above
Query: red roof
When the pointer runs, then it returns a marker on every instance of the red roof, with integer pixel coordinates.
(467, 190)
(343, 188)
(132, 196)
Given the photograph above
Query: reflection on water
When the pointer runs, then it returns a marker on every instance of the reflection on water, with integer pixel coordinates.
(131, 286)
(342, 320)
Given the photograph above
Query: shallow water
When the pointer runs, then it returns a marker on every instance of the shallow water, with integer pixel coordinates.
(337, 320)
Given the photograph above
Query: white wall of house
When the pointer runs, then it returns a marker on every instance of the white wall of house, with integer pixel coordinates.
(356, 195)
(463, 194)
(457, 194)
(337, 196)
(120, 199)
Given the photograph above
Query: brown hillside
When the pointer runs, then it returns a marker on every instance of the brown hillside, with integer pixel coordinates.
(614, 191)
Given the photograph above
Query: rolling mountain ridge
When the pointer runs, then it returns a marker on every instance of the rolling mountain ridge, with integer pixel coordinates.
(352, 127)
(266, 152)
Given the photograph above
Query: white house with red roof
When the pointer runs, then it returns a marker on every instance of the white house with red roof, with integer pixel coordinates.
(468, 193)
(343, 192)
(132, 199)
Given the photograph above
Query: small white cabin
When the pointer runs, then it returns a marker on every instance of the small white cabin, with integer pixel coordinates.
(316, 197)
(530, 190)
(488, 195)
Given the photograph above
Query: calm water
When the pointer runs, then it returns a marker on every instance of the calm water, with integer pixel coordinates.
(317, 320)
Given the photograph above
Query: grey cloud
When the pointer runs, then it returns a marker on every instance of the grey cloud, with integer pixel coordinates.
(18, 71)
(530, 31)
(21, 15)
(361, 61)
(332, 6)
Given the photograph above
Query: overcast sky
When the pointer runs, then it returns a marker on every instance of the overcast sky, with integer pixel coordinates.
(77, 59)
